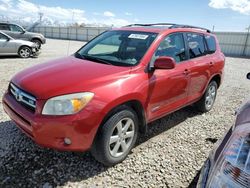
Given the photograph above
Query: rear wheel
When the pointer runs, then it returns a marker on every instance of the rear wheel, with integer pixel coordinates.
(116, 138)
(24, 52)
(206, 103)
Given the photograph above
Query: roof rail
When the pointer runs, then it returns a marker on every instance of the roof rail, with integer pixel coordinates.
(155, 24)
(188, 26)
(171, 26)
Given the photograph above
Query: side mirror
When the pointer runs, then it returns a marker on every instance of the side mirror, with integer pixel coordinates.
(23, 31)
(248, 76)
(164, 62)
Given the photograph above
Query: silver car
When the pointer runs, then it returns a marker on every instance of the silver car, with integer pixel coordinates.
(10, 46)
(18, 32)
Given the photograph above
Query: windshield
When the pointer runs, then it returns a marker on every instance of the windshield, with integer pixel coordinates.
(120, 48)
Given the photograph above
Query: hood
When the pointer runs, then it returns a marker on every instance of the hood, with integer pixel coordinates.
(34, 34)
(23, 42)
(67, 75)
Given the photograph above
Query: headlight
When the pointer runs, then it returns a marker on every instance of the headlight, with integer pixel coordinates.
(233, 166)
(67, 104)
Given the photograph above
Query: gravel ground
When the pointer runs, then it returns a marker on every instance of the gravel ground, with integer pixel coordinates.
(169, 155)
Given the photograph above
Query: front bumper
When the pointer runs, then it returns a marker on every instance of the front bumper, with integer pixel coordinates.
(43, 40)
(35, 51)
(50, 131)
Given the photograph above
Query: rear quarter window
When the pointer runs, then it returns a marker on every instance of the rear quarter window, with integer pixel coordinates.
(211, 44)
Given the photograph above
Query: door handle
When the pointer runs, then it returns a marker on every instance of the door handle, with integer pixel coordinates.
(186, 72)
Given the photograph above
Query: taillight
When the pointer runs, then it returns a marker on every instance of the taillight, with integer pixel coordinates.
(233, 167)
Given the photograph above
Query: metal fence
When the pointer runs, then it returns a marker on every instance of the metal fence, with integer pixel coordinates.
(71, 33)
(232, 43)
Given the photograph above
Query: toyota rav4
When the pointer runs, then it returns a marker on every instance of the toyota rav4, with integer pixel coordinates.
(101, 97)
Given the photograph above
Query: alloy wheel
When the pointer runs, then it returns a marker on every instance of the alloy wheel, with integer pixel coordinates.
(210, 96)
(122, 137)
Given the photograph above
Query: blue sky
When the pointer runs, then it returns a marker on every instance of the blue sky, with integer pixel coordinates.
(233, 15)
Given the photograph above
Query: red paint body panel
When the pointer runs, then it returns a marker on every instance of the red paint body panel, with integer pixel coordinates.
(160, 92)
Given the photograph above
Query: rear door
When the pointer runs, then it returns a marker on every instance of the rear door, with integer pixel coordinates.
(16, 32)
(200, 65)
(6, 46)
(168, 89)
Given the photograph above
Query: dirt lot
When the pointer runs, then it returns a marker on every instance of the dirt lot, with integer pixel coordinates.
(169, 155)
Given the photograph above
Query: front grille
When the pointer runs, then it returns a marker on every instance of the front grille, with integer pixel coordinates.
(22, 97)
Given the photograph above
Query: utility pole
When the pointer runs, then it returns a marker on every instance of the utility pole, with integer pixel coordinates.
(245, 46)
(40, 16)
(213, 28)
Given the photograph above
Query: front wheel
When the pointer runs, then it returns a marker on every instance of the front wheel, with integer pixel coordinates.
(37, 42)
(116, 138)
(24, 52)
(206, 103)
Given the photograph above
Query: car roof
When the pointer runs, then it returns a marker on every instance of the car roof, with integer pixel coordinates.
(159, 28)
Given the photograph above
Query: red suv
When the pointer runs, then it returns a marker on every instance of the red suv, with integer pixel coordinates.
(101, 97)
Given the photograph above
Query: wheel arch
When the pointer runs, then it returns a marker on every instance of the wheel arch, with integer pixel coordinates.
(36, 38)
(133, 104)
(19, 48)
(217, 79)
(136, 106)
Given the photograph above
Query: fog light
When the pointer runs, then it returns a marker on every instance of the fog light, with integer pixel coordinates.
(67, 141)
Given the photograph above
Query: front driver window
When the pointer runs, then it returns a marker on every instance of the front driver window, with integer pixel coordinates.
(172, 46)
(16, 28)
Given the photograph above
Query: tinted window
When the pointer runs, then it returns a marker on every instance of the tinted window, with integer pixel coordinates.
(211, 44)
(172, 46)
(15, 28)
(196, 45)
(4, 27)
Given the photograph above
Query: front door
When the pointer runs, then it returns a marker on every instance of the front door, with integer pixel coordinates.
(168, 89)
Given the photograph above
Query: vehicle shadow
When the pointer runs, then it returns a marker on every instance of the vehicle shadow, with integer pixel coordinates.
(159, 126)
(15, 57)
(24, 164)
(10, 57)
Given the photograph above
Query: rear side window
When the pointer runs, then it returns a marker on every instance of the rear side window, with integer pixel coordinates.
(4, 27)
(211, 44)
(15, 28)
(196, 45)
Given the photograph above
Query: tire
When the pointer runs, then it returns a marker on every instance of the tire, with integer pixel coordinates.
(206, 103)
(116, 137)
(24, 52)
(37, 42)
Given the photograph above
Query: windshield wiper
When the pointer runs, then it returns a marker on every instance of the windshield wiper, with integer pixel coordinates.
(93, 58)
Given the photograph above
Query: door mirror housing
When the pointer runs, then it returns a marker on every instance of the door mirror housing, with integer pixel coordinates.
(248, 76)
(23, 31)
(164, 62)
